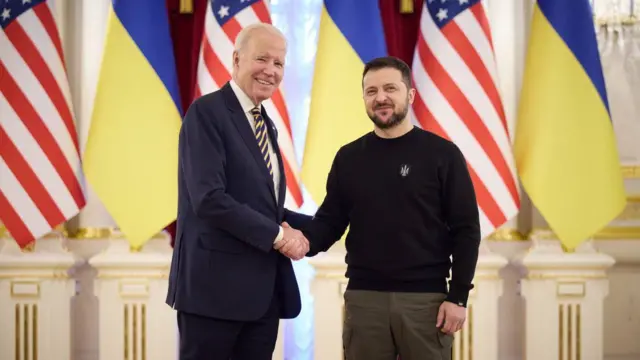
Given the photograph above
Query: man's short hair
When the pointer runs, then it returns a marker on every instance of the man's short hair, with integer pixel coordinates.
(245, 34)
(390, 62)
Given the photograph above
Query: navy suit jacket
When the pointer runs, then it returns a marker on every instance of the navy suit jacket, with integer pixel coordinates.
(224, 265)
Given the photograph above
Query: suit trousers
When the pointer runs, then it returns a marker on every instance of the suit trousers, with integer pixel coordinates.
(206, 338)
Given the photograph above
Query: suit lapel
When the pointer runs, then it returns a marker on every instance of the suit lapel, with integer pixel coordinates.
(242, 124)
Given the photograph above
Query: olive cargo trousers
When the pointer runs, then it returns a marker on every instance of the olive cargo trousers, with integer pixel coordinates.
(383, 325)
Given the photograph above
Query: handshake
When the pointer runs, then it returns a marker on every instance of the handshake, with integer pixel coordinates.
(294, 244)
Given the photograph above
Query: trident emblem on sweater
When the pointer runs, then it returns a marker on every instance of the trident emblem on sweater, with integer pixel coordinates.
(404, 170)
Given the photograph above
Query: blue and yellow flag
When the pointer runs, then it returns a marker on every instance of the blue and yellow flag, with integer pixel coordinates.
(350, 35)
(131, 157)
(565, 146)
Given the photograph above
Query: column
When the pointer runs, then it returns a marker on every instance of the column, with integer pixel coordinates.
(35, 300)
(478, 339)
(564, 295)
(327, 289)
(131, 287)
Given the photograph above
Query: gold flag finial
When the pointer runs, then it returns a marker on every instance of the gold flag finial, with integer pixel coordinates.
(186, 6)
(406, 6)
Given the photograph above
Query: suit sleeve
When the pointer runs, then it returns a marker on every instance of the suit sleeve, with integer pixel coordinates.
(296, 219)
(202, 162)
(461, 212)
(331, 220)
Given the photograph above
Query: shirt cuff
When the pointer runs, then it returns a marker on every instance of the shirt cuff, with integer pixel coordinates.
(280, 235)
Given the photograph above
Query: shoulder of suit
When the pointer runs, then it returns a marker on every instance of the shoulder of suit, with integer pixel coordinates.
(211, 101)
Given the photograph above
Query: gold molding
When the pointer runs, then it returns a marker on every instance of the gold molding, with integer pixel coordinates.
(84, 233)
(631, 172)
(618, 233)
(608, 233)
(92, 233)
(23, 295)
(506, 234)
(620, 20)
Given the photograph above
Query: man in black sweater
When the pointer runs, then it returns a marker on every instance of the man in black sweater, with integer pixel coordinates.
(409, 202)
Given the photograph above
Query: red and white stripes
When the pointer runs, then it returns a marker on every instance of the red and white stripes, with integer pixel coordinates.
(41, 177)
(457, 98)
(214, 70)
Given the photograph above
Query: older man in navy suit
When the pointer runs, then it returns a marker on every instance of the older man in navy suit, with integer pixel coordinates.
(231, 274)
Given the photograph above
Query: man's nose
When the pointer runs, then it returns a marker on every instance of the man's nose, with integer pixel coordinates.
(381, 97)
(270, 69)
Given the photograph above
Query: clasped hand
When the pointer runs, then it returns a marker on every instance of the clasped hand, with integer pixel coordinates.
(294, 244)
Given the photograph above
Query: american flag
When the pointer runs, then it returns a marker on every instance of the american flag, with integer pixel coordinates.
(40, 172)
(224, 19)
(457, 98)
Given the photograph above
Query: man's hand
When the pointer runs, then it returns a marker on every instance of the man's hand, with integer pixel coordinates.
(294, 244)
(451, 317)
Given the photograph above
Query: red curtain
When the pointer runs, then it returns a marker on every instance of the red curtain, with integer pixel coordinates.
(186, 22)
(401, 29)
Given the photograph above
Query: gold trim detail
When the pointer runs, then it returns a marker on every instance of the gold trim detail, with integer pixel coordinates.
(92, 233)
(618, 233)
(16, 331)
(631, 172)
(406, 6)
(135, 331)
(632, 210)
(57, 274)
(608, 233)
(126, 331)
(569, 331)
(143, 331)
(101, 233)
(507, 234)
(620, 20)
(26, 331)
(35, 286)
(186, 6)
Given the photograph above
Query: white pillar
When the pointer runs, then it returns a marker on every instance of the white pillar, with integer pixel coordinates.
(131, 287)
(478, 339)
(564, 295)
(35, 300)
(328, 288)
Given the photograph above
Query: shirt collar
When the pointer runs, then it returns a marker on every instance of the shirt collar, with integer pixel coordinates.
(245, 101)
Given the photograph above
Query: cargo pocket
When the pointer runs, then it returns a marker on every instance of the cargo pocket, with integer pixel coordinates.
(347, 333)
(446, 342)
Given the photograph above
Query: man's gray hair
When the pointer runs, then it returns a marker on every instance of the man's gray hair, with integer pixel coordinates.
(245, 34)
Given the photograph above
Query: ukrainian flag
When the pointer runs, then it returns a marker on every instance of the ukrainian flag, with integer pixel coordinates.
(131, 157)
(565, 146)
(350, 35)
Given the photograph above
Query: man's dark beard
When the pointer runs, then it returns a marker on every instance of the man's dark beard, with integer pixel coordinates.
(395, 119)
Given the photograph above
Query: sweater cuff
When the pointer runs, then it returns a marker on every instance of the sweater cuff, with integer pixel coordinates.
(458, 295)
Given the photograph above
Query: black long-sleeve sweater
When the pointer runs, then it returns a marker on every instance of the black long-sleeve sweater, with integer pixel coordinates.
(410, 207)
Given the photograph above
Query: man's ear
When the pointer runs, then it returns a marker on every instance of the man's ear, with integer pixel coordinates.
(236, 57)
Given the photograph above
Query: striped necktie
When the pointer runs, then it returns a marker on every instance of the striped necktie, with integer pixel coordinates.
(261, 136)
